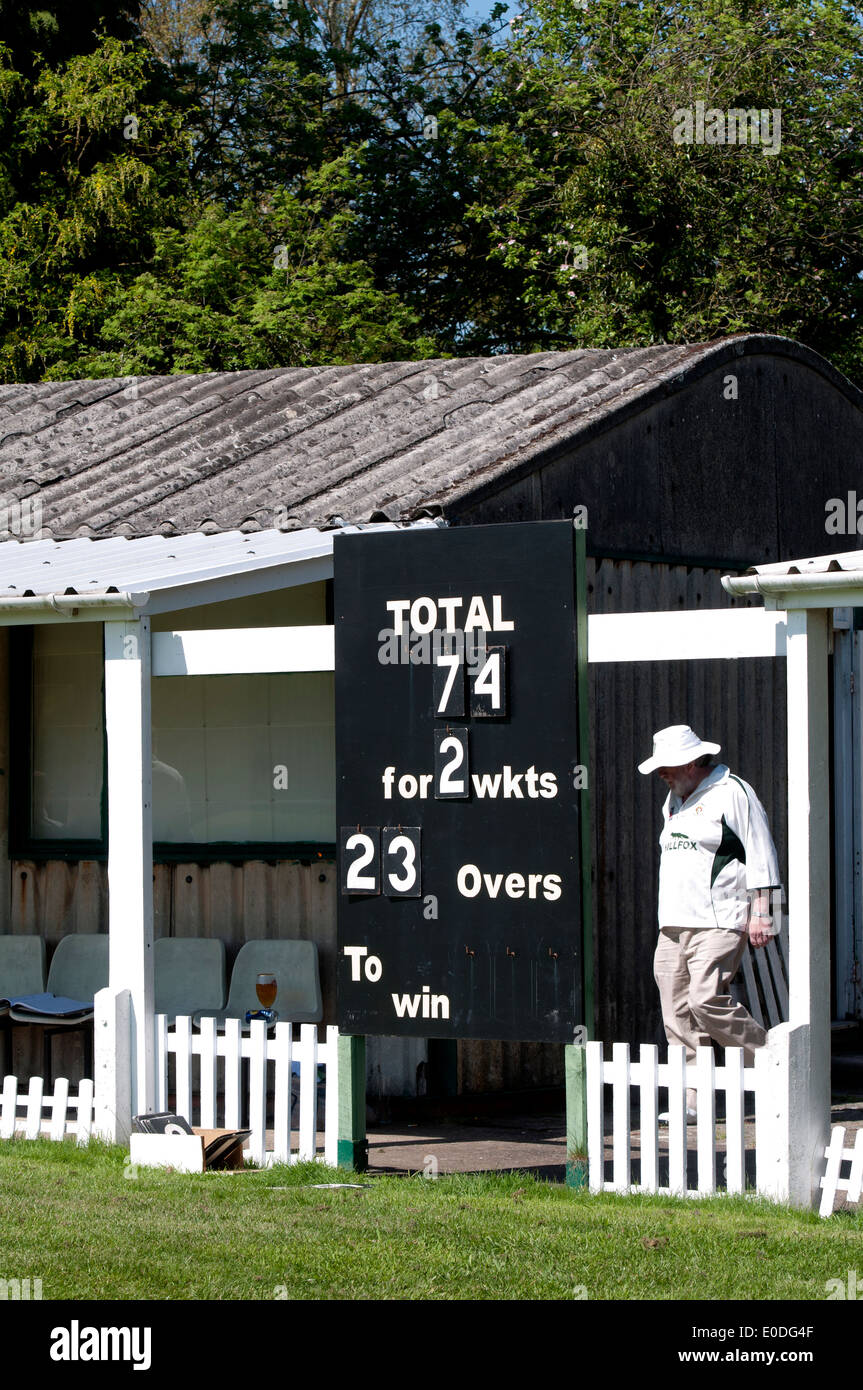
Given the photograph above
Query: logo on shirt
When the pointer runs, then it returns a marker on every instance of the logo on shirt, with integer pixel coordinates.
(680, 841)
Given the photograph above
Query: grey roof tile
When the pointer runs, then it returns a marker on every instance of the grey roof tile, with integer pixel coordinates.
(220, 451)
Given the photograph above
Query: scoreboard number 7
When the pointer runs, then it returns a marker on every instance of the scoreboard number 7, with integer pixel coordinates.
(448, 684)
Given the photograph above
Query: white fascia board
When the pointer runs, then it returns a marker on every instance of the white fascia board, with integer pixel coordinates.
(241, 584)
(244, 651)
(702, 635)
(815, 598)
(244, 578)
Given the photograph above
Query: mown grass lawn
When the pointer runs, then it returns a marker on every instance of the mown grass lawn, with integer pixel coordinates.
(74, 1219)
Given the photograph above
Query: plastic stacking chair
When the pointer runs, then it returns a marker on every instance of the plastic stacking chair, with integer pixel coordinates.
(22, 971)
(190, 976)
(295, 966)
(22, 967)
(79, 969)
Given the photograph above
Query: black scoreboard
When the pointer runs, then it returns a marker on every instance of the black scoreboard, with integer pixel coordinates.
(459, 782)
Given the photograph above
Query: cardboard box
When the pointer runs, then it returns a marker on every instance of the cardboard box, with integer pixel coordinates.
(200, 1151)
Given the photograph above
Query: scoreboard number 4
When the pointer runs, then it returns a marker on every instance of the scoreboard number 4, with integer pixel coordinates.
(381, 861)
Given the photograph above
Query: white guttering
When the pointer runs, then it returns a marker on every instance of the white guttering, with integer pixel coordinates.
(68, 605)
(771, 584)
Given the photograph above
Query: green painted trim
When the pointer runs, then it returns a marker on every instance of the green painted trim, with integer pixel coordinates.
(583, 736)
(575, 1066)
(72, 851)
(352, 1155)
(242, 852)
(353, 1146)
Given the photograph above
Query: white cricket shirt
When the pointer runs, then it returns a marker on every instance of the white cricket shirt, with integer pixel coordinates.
(715, 846)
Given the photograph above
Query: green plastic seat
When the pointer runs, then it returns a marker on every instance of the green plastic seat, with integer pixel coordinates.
(189, 976)
(22, 967)
(79, 969)
(295, 966)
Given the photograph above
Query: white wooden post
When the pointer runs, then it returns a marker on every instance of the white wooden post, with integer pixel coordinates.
(130, 840)
(782, 1165)
(808, 902)
(112, 1064)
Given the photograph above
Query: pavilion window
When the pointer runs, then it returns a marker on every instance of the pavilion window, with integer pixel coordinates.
(67, 739)
(244, 758)
(235, 758)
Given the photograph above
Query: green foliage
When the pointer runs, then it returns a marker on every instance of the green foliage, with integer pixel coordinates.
(259, 287)
(38, 32)
(617, 235)
(91, 169)
(433, 190)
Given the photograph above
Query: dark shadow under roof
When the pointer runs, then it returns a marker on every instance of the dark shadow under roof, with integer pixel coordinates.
(296, 447)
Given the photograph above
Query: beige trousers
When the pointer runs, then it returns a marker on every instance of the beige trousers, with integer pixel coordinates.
(693, 969)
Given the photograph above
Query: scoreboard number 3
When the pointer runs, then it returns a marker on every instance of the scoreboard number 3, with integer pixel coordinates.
(376, 861)
(401, 856)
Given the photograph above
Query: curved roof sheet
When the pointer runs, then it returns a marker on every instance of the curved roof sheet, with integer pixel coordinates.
(294, 447)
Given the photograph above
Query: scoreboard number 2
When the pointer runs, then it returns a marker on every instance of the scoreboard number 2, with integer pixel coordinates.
(361, 859)
(451, 773)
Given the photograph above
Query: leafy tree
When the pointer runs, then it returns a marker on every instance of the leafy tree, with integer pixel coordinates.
(433, 187)
(615, 234)
(90, 166)
(48, 32)
(262, 285)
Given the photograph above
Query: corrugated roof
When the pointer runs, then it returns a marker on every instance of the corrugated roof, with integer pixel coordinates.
(292, 447)
(819, 581)
(153, 564)
(818, 564)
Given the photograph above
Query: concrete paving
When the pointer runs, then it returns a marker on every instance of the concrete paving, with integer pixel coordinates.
(529, 1144)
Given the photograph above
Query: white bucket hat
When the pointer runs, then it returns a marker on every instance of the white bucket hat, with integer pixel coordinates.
(675, 747)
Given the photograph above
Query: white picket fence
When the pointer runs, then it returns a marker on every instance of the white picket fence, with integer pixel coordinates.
(24, 1113)
(666, 1169)
(832, 1182)
(270, 1069)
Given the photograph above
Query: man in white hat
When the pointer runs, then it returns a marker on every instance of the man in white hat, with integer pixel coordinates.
(717, 866)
